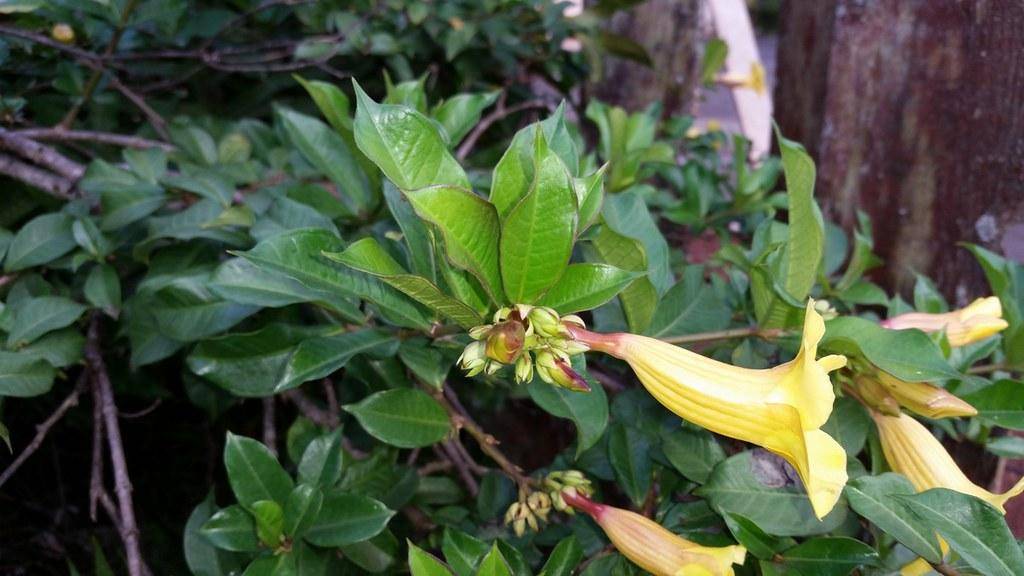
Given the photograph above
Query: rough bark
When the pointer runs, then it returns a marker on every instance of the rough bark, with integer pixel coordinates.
(919, 123)
(668, 30)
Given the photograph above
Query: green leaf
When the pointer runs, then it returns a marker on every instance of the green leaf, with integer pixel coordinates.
(242, 281)
(1006, 446)
(494, 564)
(249, 364)
(61, 348)
(906, 354)
(39, 241)
(33, 317)
(629, 454)
(588, 411)
(715, 51)
(299, 254)
(301, 509)
(404, 417)
(469, 226)
(89, 237)
(587, 286)
(346, 519)
(805, 246)
(322, 461)
(462, 551)
(755, 484)
(202, 558)
(375, 555)
(589, 197)
(232, 529)
(689, 307)
(639, 298)
(537, 233)
(23, 375)
(564, 558)
(205, 183)
(626, 214)
(254, 472)
(848, 424)
(103, 288)
(757, 542)
(269, 522)
(974, 529)
(831, 556)
(417, 237)
(188, 311)
(875, 498)
(692, 451)
(329, 153)
(405, 145)
(423, 563)
(426, 362)
(1000, 404)
(368, 256)
(461, 112)
(319, 357)
(332, 102)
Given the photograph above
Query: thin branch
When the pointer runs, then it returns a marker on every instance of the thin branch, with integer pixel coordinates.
(41, 154)
(155, 120)
(308, 408)
(144, 412)
(47, 182)
(122, 482)
(44, 428)
(434, 467)
(990, 368)
(269, 425)
(96, 490)
(43, 40)
(60, 135)
(499, 113)
(727, 334)
(333, 409)
(445, 451)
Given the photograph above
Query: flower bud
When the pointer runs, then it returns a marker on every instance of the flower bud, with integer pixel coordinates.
(473, 359)
(876, 396)
(524, 369)
(925, 399)
(480, 332)
(545, 322)
(505, 341)
(540, 504)
(555, 370)
(63, 33)
(981, 319)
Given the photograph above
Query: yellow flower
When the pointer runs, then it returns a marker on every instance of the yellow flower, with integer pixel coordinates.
(652, 547)
(754, 80)
(981, 319)
(918, 397)
(914, 452)
(781, 409)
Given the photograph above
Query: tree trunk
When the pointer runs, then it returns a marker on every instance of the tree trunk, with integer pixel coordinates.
(914, 110)
(668, 31)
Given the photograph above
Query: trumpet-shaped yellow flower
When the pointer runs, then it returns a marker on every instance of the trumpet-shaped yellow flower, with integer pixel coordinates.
(914, 452)
(981, 319)
(918, 397)
(781, 409)
(654, 548)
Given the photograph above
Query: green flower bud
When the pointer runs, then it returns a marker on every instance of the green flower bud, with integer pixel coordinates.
(540, 504)
(473, 359)
(555, 370)
(545, 322)
(480, 332)
(524, 369)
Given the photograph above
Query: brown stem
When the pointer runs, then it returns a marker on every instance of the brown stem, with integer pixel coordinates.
(97, 73)
(945, 569)
(333, 409)
(499, 113)
(269, 426)
(122, 481)
(96, 489)
(308, 408)
(446, 451)
(41, 155)
(989, 368)
(43, 429)
(753, 331)
(50, 183)
(124, 140)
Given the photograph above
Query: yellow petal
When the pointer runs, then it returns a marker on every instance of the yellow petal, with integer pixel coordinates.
(914, 452)
(781, 408)
(655, 549)
(925, 399)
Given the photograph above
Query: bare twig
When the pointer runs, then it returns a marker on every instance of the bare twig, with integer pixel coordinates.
(144, 412)
(59, 135)
(41, 154)
(434, 467)
(449, 454)
(122, 482)
(96, 490)
(500, 112)
(43, 429)
(46, 181)
(43, 40)
(269, 425)
(333, 409)
(308, 408)
(990, 368)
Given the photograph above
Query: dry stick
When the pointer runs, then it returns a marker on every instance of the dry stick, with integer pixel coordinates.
(51, 184)
(333, 409)
(124, 140)
(43, 429)
(472, 464)
(308, 408)
(97, 73)
(499, 113)
(726, 334)
(41, 155)
(445, 452)
(96, 490)
(122, 482)
(269, 426)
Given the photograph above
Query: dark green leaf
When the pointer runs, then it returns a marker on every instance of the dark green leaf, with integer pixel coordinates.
(906, 354)
(689, 307)
(321, 356)
(33, 317)
(375, 555)
(404, 417)
(588, 411)
(202, 557)
(874, 498)
(269, 522)
(23, 375)
(322, 461)
(461, 112)
(494, 564)
(692, 451)
(564, 558)
(254, 472)
(462, 551)
(628, 451)
(586, 286)
(232, 529)
(346, 519)
(250, 364)
(39, 241)
(757, 542)
(103, 288)
(1000, 404)
(301, 509)
(833, 556)
(425, 564)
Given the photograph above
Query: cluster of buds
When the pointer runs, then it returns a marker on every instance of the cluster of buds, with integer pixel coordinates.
(534, 507)
(533, 339)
